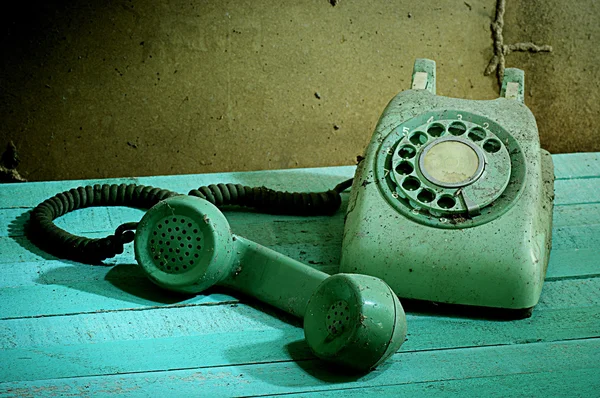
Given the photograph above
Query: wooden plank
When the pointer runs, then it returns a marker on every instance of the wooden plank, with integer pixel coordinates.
(579, 237)
(577, 191)
(573, 263)
(242, 338)
(582, 293)
(83, 288)
(564, 383)
(20, 250)
(207, 335)
(576, 215)
(136, 294)
(158, 323)
(404, 368)
(576, 165)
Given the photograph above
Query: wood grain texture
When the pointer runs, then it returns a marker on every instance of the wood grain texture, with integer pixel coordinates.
(566, 383)
(74, 329)
(89, 344)
(576, 165)
(405, 368)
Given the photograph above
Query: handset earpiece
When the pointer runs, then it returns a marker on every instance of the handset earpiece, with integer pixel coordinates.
(185, 244)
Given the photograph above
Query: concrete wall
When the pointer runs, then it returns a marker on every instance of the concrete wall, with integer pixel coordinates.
(126, 88)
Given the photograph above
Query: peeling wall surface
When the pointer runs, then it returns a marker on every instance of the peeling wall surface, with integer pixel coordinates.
(123, 88)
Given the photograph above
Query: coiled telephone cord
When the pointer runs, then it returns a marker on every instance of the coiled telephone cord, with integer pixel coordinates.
(45, 234)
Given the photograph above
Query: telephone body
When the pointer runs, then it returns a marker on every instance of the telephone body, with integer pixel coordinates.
(453, 200)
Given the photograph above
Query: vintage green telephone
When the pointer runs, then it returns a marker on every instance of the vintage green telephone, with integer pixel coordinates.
(452, 203)
(453, 200)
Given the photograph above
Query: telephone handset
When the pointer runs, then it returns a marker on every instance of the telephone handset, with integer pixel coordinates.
(184, 243)
(453, 200)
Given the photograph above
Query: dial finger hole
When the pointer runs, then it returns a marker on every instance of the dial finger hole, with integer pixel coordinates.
(404, 168)
(418, 138)
(407, 152)
(457, 128)
(492, 145)
(436, 130)
(476, 134)
(446, 202)
(411, 183)
(426, 195)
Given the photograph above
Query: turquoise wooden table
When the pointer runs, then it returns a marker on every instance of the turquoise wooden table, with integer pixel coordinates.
(73, 329)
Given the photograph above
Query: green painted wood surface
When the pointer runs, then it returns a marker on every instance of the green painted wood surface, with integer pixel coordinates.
(405, 369)
(73, 329)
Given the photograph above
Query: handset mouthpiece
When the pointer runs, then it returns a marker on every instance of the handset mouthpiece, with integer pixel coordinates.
(184, 244)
